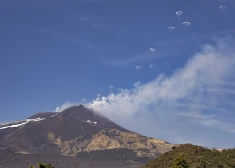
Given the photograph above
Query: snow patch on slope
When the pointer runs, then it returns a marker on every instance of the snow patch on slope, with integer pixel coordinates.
(87, 121)
(19, 123)
(54, 115)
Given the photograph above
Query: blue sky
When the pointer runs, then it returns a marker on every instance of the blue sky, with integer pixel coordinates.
(60, 53)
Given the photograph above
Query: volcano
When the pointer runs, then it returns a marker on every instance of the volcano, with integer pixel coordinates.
(78, 131)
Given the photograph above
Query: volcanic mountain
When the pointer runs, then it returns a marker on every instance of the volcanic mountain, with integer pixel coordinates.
(76, 131)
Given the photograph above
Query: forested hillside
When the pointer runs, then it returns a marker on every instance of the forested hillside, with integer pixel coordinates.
(193, 156)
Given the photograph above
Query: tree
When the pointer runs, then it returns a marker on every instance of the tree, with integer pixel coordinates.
(180, 162)
(40, 165)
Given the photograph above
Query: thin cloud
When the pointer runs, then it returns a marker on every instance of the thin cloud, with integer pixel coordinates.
(138, 58)
(223, 83)
(224, 91)
(68, 37)
(164, 46)
(210, 121)
(221, 125)
(200, 106)
(198, 37)
(92, 21)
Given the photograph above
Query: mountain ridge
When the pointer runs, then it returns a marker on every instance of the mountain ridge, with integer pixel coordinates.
(76, 129)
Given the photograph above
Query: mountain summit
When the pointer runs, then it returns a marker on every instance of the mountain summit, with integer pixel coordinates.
(75, 130)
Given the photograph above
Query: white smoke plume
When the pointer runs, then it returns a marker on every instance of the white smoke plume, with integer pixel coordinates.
(192, 99)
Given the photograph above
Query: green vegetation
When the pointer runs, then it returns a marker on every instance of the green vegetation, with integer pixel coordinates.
(180, 162)
(192, 156)
(40, 165)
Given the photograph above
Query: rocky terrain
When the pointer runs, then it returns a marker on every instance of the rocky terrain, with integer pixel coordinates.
(79, 132)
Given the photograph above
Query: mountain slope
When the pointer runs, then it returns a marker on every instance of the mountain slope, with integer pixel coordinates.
(76, 129)
(196, 156)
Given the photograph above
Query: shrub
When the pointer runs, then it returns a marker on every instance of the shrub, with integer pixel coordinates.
(40, 165)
